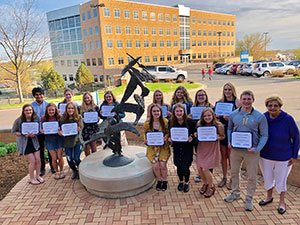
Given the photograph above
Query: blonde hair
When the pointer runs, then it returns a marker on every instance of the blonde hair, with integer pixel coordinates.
(84, 106)
(223, 99)
(66, 116)
(214, 121)
(273, 98)
(162, 99)
(186, 96)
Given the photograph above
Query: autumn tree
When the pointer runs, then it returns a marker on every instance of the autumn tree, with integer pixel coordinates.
(255, 43)
(83, 76)
(52, 81)
(21, 40)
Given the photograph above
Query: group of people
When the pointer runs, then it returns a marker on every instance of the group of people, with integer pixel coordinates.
(269, 140)
(66, 112)
(273, 138)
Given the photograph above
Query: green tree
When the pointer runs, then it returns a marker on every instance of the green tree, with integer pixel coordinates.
(52, 81)
(255, 43)
(83, 76)
(297, 53)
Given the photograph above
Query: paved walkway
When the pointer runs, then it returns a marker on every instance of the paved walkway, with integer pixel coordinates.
(67, 202)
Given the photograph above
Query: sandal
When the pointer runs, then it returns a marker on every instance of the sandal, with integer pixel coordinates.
(203, 189)
(34, 182)
(56, 176)
(210, 192)
(39, 179)
(62, 175)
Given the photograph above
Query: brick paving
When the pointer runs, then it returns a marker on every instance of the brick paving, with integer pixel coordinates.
(67, 202)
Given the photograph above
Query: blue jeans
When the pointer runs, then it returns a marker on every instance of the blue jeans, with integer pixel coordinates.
(73, 156)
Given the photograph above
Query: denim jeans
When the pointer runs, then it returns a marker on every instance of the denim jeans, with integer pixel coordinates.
(73, 156)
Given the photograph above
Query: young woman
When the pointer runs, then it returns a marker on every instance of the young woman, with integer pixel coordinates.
(229, 96)
(158, 98)
(53, 142)
(68, 97)
(28, 144)
(201, 99)
(158, 155)
(88, 105)
(71, 143)
(182, 96)
(182, 151)
(208, 152)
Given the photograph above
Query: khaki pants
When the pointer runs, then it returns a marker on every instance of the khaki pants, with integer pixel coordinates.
(237, 157)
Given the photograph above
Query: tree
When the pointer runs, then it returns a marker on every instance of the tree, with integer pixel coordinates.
(255, 43)
(83, 75)
(52, 81)
(21, 40)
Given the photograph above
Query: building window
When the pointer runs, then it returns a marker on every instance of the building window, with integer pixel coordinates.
(69, 63)
(199, 43)
(90, 31)
(136, 30)
(98, 45)
(126, 14)
(118, 30)
(193, 32)
(84, 33)
(204, 43)
(232, 23)
(154, 58)
(193, 43)
(161, 43)
(194, 56)
(106, 12)
(215, 33)
(88, 62)
(199, 55)
(99, 61)
(83, 16)
(175, 57)
(169, 58)
(204, 55)
(175, 44)
(111, 61)
(108, 29)
(168, 43)
(160, 31)
(119, 44)
(153, 43)
(75, 61)
(174, 18)
(204, 33)
(204, 21)
(71, 78)
(62, 62)
(138, 44)
(146, 44)
(199, 32)
(117, 13)
(120, 60)
(93, 61)
(215, 43)
(175, 31)
(215, 22)
(92, 45)
(127, 30)
(168, 18)
(209, 33)
(89, 15)
(168, 32)
(136, 15)
(95, 78)
(153, 31)
(65, 77)
(209, 43)
(96, 30)
(162, 58)
(109, 44)
(194, 20)
(160, 17)
(145, 30)
(144, 15)
(147, 59)
(95, 12)
(128, 43)
(152, 16)
(209, 22)
(199, 20)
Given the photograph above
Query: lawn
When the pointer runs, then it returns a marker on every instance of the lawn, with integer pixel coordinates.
(118, 91)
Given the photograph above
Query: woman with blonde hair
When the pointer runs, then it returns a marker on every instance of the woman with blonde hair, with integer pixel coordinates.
(182, 96)
(158, 98)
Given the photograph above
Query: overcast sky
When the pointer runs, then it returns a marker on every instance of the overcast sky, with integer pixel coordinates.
(280, 18)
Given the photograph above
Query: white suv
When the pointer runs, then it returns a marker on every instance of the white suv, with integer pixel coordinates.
(268, 68)
(166, 72)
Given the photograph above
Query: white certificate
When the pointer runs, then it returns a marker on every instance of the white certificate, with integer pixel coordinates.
(179, 134)
(241, 139)
(90, 117)
(50, 127)
(30, 128)
(207, 133)
(106, 110)
(62, 108)
(69, 129)
(196, 112)
(155, 138)
(223, 108)
(164, 110)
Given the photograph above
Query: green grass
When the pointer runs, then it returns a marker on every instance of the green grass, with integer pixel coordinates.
(118, 91)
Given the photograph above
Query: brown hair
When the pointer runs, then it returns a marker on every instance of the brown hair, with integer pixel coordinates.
(56, 115)
(186, 96)
(161, 119)
(174, 119)
(273, 98)
(207, 103)
(215, 121)
(33, 116)
(67, 90)
(84, 106)
(223, 99)
(162, 100)
(112, 95)
(66, 116)
(247, 92)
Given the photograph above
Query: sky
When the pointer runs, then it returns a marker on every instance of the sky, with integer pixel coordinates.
(280, 18)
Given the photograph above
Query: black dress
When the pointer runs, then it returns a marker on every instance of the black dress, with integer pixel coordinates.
(90, 128)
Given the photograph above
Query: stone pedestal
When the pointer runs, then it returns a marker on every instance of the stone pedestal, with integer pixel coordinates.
(117, 182)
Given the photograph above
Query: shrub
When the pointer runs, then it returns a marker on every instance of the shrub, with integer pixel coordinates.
(11, 147)
(3, 151)
(2, 144)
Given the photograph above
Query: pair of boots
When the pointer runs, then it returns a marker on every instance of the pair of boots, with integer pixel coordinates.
(161, 185)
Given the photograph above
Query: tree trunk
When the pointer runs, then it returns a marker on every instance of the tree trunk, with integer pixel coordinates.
(19, 87)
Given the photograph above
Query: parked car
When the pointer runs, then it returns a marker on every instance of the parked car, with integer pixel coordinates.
(247, 69)
(268, 68)
(221, 69)
(233, 68)
(163, 72)
(294, 63)
(217, 65)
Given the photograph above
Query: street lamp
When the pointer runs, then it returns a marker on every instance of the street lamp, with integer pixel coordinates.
(265, 35)
(219, 35)
(101, 5)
